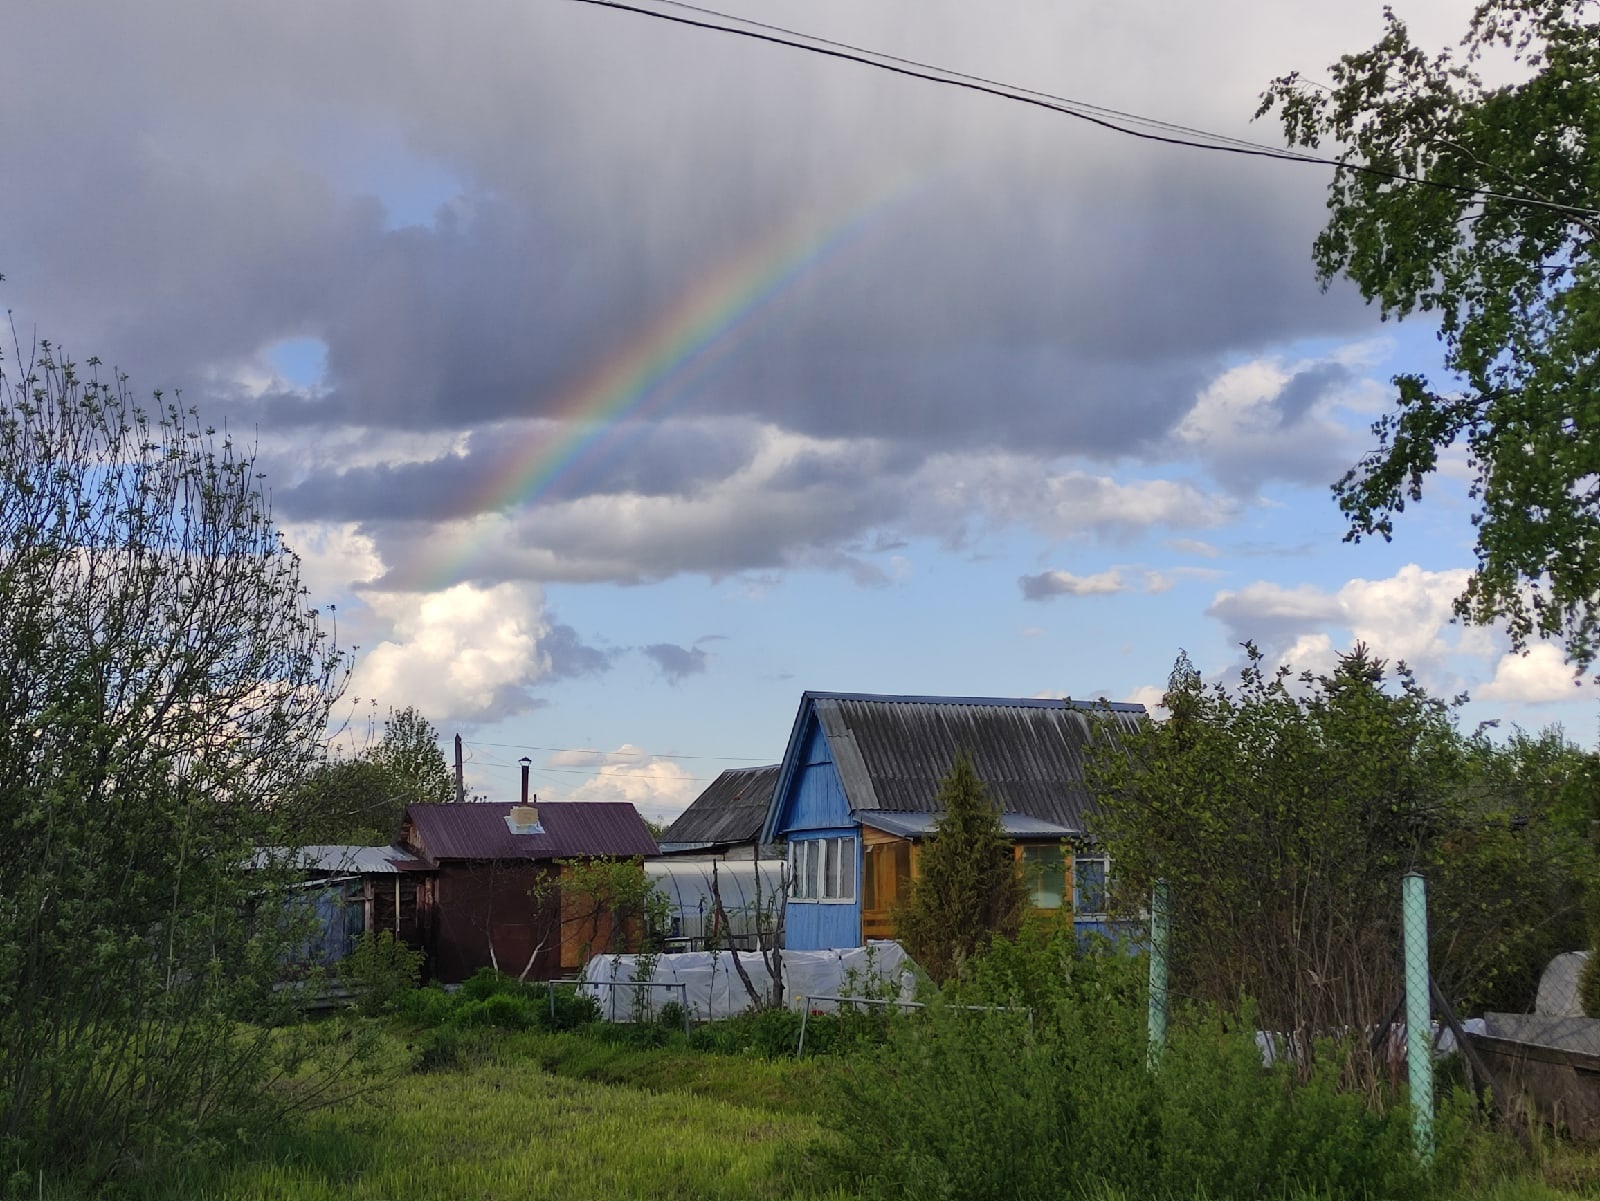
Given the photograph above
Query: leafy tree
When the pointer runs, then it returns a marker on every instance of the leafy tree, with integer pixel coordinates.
(1498, 241)
(968, 888)
(360, 799)
(410, 754)
(162, 685)
(1283, 813)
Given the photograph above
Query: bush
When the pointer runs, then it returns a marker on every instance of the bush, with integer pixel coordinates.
(970, 1105)
(489, 999)
(379, 970)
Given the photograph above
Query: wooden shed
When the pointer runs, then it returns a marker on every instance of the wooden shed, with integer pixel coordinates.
(492, 894)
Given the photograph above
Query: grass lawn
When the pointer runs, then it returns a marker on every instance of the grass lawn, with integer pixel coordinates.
(684, 1125)
(576, 1116)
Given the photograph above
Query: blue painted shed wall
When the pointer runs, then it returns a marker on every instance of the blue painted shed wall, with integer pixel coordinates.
(825, 925)
(815, 797)
(815, 807)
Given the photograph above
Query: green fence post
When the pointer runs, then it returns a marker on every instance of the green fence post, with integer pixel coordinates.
(1419, 1013)
(1160, 945)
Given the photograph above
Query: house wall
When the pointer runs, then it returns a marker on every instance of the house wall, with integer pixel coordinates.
(475, 904)
(815, 807)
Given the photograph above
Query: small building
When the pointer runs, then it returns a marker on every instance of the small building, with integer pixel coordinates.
(492, 894)
(725, 820)
(856, 794)
(349, 891)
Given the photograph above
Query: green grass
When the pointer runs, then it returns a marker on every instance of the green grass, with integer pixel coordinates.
(582, 1116)
(507, 1127)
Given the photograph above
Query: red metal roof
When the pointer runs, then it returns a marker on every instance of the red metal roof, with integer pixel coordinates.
(568, 829)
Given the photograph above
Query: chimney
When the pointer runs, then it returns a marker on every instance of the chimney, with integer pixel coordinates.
(523, 818)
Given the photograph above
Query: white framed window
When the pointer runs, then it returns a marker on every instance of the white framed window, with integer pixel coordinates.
(823, 869)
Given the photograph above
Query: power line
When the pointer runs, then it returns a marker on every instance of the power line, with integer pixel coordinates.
(1065, 101)
(1179, 135)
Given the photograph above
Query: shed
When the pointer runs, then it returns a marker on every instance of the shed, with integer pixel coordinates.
(857, 792)
(493, 896)
(351, 890)
(725, 820)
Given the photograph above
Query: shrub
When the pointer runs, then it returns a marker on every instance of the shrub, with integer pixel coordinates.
(379, 970)
(973, 1105)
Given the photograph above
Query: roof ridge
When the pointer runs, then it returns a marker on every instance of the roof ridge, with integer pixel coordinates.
(1011, 702)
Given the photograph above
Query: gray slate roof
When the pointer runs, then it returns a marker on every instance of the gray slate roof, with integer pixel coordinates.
(729, 812)
(891, 752)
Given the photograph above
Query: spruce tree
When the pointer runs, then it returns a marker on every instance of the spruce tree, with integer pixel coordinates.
(968, 888)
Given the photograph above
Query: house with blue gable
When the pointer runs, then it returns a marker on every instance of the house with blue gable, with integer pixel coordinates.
(856, 796)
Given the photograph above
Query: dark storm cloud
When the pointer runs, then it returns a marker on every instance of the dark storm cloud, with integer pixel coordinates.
(204, 184)
(651, 461)
(677, 663)
(1307, 388)
(570, 657)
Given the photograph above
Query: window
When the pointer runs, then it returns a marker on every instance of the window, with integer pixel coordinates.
(1091, 876)
(823, 869)
(1045, 871)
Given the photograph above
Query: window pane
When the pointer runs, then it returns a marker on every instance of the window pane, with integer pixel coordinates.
(1089, 885)
(847, 869)
(830, 881)
(812, 865)
(1045, 870)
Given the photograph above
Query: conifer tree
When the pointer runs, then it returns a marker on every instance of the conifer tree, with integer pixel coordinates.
(968, 889)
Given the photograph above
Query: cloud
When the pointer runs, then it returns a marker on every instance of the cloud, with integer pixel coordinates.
(1150, 696)
(452, 210)
(467, 653)
(1265, 420)
(1405, 617)
(660, 788)
(1539, 677)
(677, 663)
(1062, 583)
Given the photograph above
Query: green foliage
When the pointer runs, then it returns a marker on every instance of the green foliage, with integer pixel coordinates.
(1511, 869)
(1499, 244)
(975, 1105)
(360, 799)
(1283, 813)
(379, 969)
(489, 999)
(162, 684)
(968, 889)
(1589, 979)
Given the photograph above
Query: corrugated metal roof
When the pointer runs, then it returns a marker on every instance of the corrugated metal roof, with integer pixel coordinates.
(339, 859)
(891, 752)
(471, 830)
(920, 825)
(730, 810)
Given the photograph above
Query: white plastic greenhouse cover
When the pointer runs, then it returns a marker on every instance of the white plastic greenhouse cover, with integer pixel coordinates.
(687, 886)
(711, 988)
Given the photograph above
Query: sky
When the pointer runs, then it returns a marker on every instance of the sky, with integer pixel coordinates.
(618, 381)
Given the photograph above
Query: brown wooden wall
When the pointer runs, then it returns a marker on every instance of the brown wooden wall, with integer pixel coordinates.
(467, 905)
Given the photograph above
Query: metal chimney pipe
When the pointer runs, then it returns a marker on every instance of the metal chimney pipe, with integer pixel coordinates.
(526, 763)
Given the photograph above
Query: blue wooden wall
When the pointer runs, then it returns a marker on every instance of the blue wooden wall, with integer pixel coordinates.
(815, 807)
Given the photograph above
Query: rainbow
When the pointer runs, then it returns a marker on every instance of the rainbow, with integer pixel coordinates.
(700, 330)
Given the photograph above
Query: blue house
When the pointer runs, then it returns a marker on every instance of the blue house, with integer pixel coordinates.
(856, 795)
